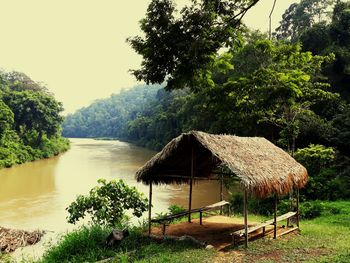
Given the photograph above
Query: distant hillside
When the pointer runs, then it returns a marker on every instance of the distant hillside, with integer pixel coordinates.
(146, 115)
(109, 117)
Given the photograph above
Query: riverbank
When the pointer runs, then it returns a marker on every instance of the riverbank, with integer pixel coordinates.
(323, 239)
(12, 239)
(17, 152)
(34, 195)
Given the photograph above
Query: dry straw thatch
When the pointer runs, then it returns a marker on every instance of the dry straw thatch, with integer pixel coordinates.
(262, 167)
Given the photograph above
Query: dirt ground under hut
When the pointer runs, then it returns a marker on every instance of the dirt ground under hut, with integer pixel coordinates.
(215, 230)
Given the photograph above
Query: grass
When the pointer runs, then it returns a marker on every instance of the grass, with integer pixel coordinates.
(84, 244)
(88, 245)
(323, 239)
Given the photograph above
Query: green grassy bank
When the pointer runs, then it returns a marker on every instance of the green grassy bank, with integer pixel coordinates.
(323, 239)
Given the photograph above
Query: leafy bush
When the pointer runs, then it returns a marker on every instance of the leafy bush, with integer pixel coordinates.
(107, 203)
(175, 209)
(315, 157)
(310, 210)
(255, 205)
(324, 182)
(172, 209)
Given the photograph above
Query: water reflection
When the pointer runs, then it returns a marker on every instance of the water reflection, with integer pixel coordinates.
(34, 195)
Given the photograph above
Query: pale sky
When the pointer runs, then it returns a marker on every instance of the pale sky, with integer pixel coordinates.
(78, 47)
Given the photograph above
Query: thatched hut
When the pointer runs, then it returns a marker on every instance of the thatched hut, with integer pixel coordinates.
(262, 168)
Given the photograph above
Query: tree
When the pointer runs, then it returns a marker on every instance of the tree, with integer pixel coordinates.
(323, 177)
(264, 88)
(30, 121)
(107, 203)
(333, 38)
(6, 117)
(35, 114)
(20, 81)
(341, 123)
(301, 16)
(177, 47)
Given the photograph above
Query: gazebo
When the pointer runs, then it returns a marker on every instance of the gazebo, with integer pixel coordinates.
(262, 168)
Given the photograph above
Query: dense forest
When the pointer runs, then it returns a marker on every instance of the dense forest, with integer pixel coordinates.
(109, 117)
(30, 121)
(291, 88)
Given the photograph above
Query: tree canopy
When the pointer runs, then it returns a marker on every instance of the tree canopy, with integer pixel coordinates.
(292, 90)
(301, 16)
(30, 120)
(178, 46)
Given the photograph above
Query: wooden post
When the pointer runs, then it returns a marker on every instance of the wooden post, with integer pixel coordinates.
(291, 205)
(191, 182)
(164, 226)
(245, 205)
(221, 192)
(298, 212)
(275, 219)
(150, 208)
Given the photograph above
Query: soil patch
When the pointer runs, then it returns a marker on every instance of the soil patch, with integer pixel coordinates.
(214, 231)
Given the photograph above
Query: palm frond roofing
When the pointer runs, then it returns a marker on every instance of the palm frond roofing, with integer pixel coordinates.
(262, 167)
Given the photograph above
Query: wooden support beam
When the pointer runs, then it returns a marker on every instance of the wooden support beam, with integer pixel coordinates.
(150, 209)
(275, 219)
(221, 192)
(191, 182)
(164, 227)
(291, 205)
(184, 177)
(298, 212)
(229, 175)
(245, 205)
(288, 231)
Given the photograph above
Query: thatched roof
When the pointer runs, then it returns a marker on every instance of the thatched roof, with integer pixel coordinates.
(262, 167)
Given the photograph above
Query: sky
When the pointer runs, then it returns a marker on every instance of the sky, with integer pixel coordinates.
(78, 47)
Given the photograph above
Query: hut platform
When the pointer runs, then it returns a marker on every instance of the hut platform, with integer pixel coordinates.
(215, 230)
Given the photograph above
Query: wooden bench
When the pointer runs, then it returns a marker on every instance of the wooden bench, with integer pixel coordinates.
(241, 233)
(165, 221)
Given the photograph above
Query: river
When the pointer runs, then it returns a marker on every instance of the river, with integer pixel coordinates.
(34, 195)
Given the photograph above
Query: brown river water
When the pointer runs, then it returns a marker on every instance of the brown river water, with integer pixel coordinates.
(34, 195)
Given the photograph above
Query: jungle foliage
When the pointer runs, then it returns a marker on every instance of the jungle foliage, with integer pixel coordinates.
(291, 90)
(30, 121)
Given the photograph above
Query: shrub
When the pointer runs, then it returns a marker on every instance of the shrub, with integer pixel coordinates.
(172, 209)
(324, 183)
(107, 203)
(310, 210)
(175, 209)
(255, 205)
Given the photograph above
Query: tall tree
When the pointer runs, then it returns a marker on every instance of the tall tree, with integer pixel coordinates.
(178, 46)
(333, 38)
(301, 16)
(268, 90)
